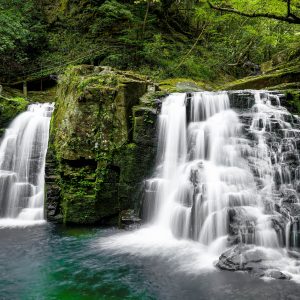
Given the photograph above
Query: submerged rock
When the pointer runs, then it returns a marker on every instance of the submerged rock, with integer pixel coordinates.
(277, 274)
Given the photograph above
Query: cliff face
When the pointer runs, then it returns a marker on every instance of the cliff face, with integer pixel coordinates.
(101, 145)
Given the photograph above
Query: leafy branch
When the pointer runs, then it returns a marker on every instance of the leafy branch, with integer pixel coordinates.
(289, 18)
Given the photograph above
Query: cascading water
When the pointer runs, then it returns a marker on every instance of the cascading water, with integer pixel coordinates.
(203, 177)
(226, 183)
(22, 164)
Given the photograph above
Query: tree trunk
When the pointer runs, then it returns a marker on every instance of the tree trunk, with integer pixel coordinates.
(145, 18)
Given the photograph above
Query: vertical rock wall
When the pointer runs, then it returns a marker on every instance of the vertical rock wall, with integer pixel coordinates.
(102, 145)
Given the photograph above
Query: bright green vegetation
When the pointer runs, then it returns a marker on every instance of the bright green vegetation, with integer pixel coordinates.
(163, 39)
(9, 109)
(23, 37)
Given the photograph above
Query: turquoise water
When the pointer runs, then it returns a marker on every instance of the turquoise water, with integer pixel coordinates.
(56, 262)
(49, 262)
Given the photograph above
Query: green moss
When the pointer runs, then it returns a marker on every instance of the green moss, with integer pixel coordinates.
(95, 142)
(173, 85)
(284, 74)
(79, 208)
(42, 96)
(9, 109)
(286, 86)
(292, 101)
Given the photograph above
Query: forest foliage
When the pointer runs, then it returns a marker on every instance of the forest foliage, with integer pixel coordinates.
(23, 35)
(160, 38)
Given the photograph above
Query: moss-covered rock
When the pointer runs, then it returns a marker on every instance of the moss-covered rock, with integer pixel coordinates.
(284, 78)
(282, 75)
(173, 85)
(101, 145)
(47, 95)
(9, 109)
(291, 100)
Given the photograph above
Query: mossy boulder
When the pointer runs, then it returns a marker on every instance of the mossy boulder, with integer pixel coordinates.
(285, 74)
(101, 145)
(283, 78)
(9, 109)
(173, 85)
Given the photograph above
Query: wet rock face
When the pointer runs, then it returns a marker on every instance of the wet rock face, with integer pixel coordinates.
(248, 258)
(129, 220)
(241, 257)
(279, 157)
(241, 100)
(102, 145)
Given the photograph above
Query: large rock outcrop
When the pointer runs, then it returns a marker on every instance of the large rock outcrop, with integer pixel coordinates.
(101, 145)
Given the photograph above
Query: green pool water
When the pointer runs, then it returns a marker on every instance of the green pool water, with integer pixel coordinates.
(56, 262)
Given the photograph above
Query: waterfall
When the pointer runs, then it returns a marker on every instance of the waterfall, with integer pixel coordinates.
(225, 176)
(225, 190)
(22, 165)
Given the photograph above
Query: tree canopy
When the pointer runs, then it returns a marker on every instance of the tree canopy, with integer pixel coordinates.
(202, 39)
(22, 35)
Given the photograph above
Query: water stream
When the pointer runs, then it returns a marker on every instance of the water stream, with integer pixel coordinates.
(22, 166)
(56, 262)
(225, 176)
